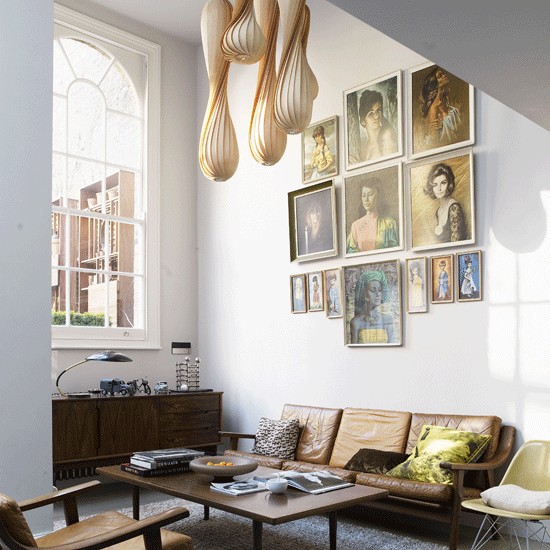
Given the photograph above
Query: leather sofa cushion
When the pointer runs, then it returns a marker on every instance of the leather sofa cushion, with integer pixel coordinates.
(268, 461)
(437, 493)
(369, 428)
(319, 427)
(105, 522)
(347, 475)
(487, 425)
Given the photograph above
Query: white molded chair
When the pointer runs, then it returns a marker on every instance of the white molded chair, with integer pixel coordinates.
(529, 469)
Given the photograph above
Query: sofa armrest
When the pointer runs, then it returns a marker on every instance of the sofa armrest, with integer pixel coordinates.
(504, 450)
(234, 438)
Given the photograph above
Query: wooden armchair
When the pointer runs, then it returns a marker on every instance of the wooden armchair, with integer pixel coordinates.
(105, 530)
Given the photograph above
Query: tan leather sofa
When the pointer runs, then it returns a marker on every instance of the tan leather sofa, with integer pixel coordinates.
(330, 437)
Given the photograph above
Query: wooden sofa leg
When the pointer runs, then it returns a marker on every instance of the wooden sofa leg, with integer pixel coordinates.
(455, 526)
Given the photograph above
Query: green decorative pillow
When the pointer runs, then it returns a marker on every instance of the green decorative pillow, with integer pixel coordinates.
(437, 444)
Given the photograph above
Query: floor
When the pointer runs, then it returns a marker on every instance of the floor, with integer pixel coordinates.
(113, 496)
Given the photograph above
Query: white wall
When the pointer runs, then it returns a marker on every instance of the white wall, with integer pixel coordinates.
(488, 357)
(25, 158)
(178, 256)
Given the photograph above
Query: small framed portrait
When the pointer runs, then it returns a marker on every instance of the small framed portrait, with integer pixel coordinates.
(312, 222)
(372, 307)
(320, 150)
(441, 195)
(373, 209)
(443, 276)
(469, 276)
(416, 272)
(441, 111)
(298, 293)
(373, 121)
(315, 298)
(333, 293)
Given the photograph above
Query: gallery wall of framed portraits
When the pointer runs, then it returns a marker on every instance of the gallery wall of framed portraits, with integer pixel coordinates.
(407, 187)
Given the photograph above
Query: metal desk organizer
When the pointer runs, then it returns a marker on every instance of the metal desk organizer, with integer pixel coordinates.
(187, 375)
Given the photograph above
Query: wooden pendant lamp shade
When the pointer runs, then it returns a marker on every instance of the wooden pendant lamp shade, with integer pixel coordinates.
(283, 104)
(243, 41)
(267, 142)
(218, 148)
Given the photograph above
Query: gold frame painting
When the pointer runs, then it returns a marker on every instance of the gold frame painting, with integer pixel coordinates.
(373, 122)
(312, 222)
(372, 306)
(440, 191)
(298, 293)
(333, 293)
(441, 111)
(442, 271)
(416, 289)
(469, 276)
(320, 150)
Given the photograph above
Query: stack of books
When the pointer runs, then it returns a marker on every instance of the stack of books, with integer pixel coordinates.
(160, 462)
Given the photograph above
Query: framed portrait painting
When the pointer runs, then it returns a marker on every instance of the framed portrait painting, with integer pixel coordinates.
(441, 195)
(312, 222)
(372, 307)
(298, 293)
(441, 111)
(320, 150)
(443, 276)
(373, 121)
(416, 273)
(315, 297)
(333, 293)
(373, 209)
(469, 276)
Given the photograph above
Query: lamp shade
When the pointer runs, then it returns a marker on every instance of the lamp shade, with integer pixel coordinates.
(109, 355)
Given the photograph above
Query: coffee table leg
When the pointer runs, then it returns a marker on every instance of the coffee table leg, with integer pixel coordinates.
(257, 535)
(135, 502)
(207, 512)
(332, 523)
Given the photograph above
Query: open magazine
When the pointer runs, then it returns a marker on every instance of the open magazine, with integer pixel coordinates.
(236, 488)
(310, 482)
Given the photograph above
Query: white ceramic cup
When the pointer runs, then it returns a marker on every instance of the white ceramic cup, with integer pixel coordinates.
(277, 485)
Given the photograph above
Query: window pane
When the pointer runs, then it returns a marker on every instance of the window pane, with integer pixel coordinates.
(58, 297)
(122, 244)
(129, 305)
(60, 124)
(86, 60)
(85, 181)
(59, 177)
(62, 73)
(123, 140)
(86, 121)
(119, 91)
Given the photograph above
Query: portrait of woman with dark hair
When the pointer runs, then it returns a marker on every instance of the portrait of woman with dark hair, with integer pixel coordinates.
(442, 201)
(373, 121)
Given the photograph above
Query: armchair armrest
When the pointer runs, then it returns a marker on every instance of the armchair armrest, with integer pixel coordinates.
(234, 438)
(56, 496)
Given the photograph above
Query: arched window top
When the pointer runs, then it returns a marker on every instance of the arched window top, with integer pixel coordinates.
(75, 58)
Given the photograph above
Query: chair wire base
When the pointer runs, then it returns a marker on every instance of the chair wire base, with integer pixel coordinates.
(535, 535)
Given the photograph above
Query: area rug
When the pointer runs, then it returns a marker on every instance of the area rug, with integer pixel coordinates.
(224, 531)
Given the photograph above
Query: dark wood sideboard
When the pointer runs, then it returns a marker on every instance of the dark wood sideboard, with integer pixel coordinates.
(99, 431)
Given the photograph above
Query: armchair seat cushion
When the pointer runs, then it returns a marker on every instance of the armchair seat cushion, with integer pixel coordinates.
(105, 522)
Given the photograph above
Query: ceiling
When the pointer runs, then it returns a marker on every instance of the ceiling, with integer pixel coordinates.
(500, 46)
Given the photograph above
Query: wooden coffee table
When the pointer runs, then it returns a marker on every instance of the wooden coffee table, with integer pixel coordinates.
(262, 507)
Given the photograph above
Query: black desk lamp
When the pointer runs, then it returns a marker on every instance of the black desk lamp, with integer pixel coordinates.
(111, 356)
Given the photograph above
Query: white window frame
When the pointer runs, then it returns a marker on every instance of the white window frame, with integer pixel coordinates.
(148, 337)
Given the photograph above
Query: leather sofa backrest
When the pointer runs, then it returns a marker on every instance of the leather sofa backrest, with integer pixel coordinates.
(489, 425)
(372, 429)
(318, 428)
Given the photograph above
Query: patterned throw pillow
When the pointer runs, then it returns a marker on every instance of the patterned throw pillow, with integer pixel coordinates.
(438, 444)
(277, 438)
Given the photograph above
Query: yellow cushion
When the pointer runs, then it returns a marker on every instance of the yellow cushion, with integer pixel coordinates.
(438, 444)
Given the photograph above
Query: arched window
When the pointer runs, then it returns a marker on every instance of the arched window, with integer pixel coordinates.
(104, 188)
